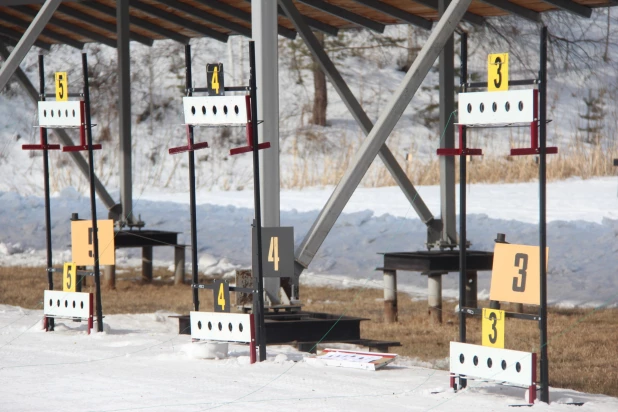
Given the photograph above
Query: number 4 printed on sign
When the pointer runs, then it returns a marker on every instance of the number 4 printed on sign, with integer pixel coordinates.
(273, 252)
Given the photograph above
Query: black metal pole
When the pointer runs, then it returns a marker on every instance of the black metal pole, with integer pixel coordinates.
(462, 205)
(192, 207)
(93, 199)
(542, 213)
(48, 239)
(258, 211)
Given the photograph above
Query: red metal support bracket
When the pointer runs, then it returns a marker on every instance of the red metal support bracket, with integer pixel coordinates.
(190, 147)
(249, 146)
(459, 151)
(41, 146)
(83, 146)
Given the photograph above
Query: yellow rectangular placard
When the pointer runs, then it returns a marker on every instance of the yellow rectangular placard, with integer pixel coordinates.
(82, 242)
(62, 86)
(498, 72)
(516, 274)
(69, 277)
(493, 328)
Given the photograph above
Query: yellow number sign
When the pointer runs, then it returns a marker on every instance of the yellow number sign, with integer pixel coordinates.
(516, 274)
(69, 277)
(62, 86)
(221, 297)
(493, 328)
(82, 237)
(498, 72)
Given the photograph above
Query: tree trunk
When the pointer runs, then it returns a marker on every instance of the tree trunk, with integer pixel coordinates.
(320, 99)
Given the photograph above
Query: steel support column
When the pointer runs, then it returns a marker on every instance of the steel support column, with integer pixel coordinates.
(124, 111)
(27, 40)
(328, 67)
(264, 26)
(447, 131)
(372, 144)
(64, 138)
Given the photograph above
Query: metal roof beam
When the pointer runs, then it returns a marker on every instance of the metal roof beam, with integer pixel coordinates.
(16, 35)
(71, 27)
(27, 40)
(515, 9)
(172, 18)
(397, 13)
(316, 24)
(61, 38)
(211, 18)
(243, 15)
(109, 27)
(141, 23)
(345, 15)
(468, 17)
(572, 7)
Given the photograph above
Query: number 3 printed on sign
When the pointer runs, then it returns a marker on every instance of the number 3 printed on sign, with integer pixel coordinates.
(498, 72)
(519, 284)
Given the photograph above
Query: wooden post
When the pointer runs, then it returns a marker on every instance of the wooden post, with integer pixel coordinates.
(434, 299)
(147, 264)
(109, 276)
(179, 265)
(390, 296)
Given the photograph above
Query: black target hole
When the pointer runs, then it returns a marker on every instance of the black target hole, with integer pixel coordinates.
(521, 106)
(462, 358)
(236, 110)
(66, 303)
(494, 107)
(44, 113)
(73, 113)
(58, 303)
(490, 363)
(74, 305)
(199, 324)
(193, 109)
(475, 360)
(81, 304)
(203, 109)
(503, 365)
(220, 326)
(225, 109)
(518, 367)
(214, 110)
(51, 303)
(482, 107)
(229, 326)
(209, 326)
(66, 113)
(507, 106)
(240, 328)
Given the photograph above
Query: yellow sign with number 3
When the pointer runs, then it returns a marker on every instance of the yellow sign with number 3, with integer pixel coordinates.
(498, 72)
(69, 277)
(493, 328)
(62, 86)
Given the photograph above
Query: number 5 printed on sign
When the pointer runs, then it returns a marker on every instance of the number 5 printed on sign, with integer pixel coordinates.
(69, 277)
(62, 86)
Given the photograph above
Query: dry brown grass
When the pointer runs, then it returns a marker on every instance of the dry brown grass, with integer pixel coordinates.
(583, 343)
(577, 160)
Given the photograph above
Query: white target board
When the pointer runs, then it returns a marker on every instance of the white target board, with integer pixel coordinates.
(498, 108)
(62, 304)
(221, 326)
(215, 110)
(491, 363)
(59, 114)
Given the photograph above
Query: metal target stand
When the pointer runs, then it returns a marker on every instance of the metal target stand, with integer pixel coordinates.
(216, 110)
(65, 114)
(474, 103)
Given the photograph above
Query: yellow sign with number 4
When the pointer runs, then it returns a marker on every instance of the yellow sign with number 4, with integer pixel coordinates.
(498, 72)
(493, 328)
(69, 277)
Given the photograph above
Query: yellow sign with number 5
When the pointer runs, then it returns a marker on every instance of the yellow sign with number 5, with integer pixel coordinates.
(69, 277)
(493, 328)
(498, 72)
(62, 86)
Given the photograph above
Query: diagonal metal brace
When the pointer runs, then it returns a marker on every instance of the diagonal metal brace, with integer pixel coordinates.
(376, 138)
